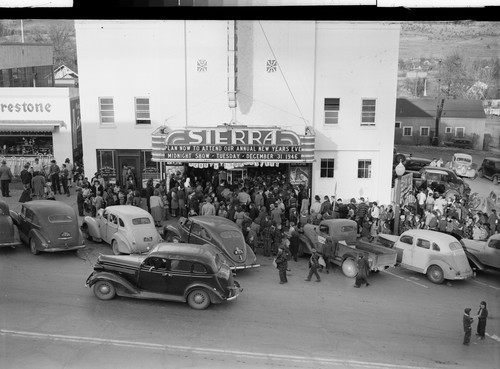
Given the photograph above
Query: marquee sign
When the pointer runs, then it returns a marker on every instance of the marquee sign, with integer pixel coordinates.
(232, 144)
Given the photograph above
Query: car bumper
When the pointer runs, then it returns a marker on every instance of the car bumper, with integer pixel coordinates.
(60, 249)
(240, 267)
(235, 292)
(10, 244)
(463, 276)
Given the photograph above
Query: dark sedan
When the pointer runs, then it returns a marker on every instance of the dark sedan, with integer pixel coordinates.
(216, 231)
(9, 235)
(189, 273)
(48, 226)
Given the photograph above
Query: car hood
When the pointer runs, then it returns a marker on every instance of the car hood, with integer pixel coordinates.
(123, 260)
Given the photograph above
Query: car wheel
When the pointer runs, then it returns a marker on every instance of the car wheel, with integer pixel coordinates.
(33, 248)
(198, 299)
(495, 180)
(435, 274)
(114, 246)
(104, 290)
(85, 232)
(480, 173)
(349, 268)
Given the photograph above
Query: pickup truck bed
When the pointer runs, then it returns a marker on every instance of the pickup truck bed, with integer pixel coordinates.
(384, 255)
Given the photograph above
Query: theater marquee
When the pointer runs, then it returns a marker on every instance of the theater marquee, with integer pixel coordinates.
(232, 144)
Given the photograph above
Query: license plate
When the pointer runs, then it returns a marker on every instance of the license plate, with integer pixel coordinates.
(148, 239)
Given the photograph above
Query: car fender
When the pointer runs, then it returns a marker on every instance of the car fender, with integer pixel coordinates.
(117, 280)
(305, 243)
(14, 216)
(93, 227)
(448, 274)
(39, 238)
(215, 295)
(124, 245)
(173, 229)
(474, 261)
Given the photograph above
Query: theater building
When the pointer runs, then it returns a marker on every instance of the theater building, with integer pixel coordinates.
(310, 101)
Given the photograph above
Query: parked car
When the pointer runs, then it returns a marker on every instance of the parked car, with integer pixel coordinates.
(464, 143)
(490, 168)
(128, 229)
(493, 202)
(48, 226)
(343, 234)
(462, 165)
(438, 255)
(412, 165)
(216, 231)
(196, 274)
(9, 234)
(441, 180)
(486, 253)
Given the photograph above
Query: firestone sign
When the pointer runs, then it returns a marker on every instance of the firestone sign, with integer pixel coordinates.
(24, 107)
(230, 144)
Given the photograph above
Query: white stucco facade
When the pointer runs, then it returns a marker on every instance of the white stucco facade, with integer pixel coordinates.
(285, 71)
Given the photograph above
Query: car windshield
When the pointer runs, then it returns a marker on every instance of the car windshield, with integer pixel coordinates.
(60, 218)
(455, 246)
(467, 160)
(139, 221)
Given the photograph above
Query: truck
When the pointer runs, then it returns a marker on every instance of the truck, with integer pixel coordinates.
(343, 234)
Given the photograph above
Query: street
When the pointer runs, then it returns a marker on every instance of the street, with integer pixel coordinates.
(49, 319)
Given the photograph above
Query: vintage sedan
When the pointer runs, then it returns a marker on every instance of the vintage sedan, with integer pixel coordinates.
(9, 235)
(486, 253)
(128, 229)
(462, 165)
(438, 255)
(48, 226)
(217, 231)
(196, 274)
(493, 202)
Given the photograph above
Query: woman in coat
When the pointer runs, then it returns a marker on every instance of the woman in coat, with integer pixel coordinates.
(156, 207)
(38, 184)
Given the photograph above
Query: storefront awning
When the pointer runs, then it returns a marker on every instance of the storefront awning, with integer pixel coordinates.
(30, 125)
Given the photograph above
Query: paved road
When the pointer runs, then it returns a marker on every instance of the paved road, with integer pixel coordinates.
(50, 320)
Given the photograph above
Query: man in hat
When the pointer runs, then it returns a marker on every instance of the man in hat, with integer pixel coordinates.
(5, 178)
(54, 177)
(313, 266)
(467, 321)
(37, 166)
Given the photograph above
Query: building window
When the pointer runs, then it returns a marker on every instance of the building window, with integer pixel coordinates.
(407, 131)
(332, 107)
(398, 125)
(106, 165)
(327, 168)
(106, 110)
(368, 112)
(142, 115)
(424, 131)
(271, 66)
(447, 130)
(364, 168)
(459, 132)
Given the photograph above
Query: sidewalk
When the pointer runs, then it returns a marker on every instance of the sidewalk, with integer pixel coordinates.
(16, 190)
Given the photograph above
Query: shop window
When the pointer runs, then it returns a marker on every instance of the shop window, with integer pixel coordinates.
(364, 168)
(142, 114)
(151, 169)
(459, 132)
(327, 168)
(407, 131)
(106, 110)
(106, 165)
(424, 131)
(368, 112)
(332, 108)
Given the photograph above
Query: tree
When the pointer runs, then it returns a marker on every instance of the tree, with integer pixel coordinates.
(454, 80)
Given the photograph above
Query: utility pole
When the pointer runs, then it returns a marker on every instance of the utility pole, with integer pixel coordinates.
(439, 111)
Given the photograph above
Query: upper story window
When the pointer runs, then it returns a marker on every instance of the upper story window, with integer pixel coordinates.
(332, 107)
(142, 114)
(106, 110)
(368, 112)
(327, 168)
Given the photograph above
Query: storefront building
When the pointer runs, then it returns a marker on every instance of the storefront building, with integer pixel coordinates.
(34, 122)
(313, 100)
